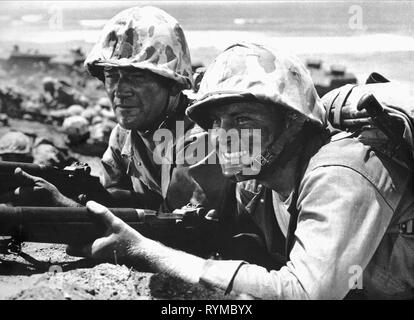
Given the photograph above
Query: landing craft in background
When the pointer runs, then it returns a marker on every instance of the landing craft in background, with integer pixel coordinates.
(28, 60)
(32, 59)
(325, 79)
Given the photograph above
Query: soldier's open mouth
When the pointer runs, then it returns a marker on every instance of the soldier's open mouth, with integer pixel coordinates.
(234, 155)
(239, 159)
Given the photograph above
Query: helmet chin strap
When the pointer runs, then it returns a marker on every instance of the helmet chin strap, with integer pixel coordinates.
(284, 148)
(290, 148)
(266, 159)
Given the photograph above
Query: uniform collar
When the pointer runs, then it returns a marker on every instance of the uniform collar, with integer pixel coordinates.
(127, 150)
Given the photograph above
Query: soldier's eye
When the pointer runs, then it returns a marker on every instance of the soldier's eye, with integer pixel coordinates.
(136, 76)
(242, 120)
(111, 75)
(216, 122)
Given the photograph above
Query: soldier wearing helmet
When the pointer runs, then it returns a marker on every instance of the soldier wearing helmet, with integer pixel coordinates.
(77, 129)
(330, 200)
(143, 59)
(58, 94)
(16, 146)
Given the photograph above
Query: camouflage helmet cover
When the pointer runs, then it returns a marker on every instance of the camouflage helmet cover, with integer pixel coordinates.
(75, 110)
(252, 72)
(75, 126)
(145, 38)
(15, 142)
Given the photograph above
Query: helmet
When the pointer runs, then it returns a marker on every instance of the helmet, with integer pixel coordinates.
(31, 106)
(84, 101)
(145, 38)
(76, 127)
(4, 119)
(15, 143)
(75, 110)
(45, 153)
(252, 72)
(89, 113)
(49, 83)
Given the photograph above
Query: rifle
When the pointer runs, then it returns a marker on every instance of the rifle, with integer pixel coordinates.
(67, 225)
(74, 181)
(185, 229)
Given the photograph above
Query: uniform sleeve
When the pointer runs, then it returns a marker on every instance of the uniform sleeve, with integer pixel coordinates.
(113, 164)
(342, 219)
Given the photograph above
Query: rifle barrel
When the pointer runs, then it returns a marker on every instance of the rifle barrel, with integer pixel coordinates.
(71, 225)
(8, 167)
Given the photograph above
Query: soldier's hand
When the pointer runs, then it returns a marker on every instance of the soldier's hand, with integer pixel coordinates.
(119, 239)
(35, 191)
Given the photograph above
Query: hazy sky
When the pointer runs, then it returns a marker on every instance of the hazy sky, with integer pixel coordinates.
(88, 4)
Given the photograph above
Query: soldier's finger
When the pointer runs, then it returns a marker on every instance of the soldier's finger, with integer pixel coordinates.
(24, 178)
(75, 250)
(102, 213)
(101, 248)
(212, 215)
(24, 195)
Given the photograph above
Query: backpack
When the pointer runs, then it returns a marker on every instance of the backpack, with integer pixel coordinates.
(381, 109)
(380, 112)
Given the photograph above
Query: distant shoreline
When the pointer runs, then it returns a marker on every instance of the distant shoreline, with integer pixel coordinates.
(392, 62)
(58, 42)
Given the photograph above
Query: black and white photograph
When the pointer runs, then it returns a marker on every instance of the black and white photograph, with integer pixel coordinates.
(215, 151)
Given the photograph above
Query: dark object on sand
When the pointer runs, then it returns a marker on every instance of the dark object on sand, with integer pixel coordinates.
(326, 80)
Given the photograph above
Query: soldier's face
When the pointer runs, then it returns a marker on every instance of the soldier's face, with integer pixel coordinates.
(138, 97)
(257, 127)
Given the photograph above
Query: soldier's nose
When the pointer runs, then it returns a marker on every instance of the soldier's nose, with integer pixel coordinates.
(122, 91)
(227, 124)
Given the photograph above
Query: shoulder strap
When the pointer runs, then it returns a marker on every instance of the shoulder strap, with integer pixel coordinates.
(293, 222)
(335, 107)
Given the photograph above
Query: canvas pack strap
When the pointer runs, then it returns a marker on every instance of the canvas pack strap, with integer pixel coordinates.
(336, 105)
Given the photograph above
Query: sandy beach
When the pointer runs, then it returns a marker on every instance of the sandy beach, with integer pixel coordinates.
(310, 30)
